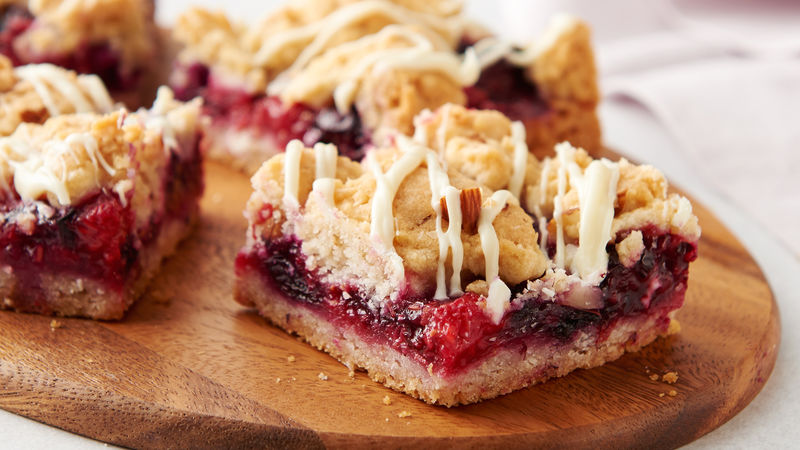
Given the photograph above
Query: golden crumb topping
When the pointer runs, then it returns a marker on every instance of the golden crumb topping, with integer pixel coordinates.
(72, 156)
(36, 92)
(61, 26)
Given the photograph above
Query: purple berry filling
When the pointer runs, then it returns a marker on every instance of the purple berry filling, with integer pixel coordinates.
(456, 334)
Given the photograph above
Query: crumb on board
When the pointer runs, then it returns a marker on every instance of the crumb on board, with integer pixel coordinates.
(403, 414)
(290, 358)
(278, 380)
(661, 394)
(654, 377)
(672, 393)
(351, 374)
(294, 378)
(387, 419)
(674, 327)
(322, 376)
(55, 324)
(670, 377)
(387, 401)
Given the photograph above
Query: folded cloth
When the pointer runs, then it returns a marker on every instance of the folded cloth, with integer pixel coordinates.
(738, 120)
(723, 77)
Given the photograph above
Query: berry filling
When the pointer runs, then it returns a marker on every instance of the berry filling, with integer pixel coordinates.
(267, 115)
(96, 58)
(456, 334)
(505, 88)
(14, 20)
(95, 239)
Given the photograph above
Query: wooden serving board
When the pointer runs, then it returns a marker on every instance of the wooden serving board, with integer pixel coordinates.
(188, 367)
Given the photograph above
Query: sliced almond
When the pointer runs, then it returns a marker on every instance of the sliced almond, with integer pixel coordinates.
(470, 200)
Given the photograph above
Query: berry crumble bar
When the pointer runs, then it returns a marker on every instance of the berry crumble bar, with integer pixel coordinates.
(351, 72)
(455, 266)
(91, 203)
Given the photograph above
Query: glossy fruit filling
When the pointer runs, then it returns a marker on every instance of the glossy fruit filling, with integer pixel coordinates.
(268, 116)
(96, 58)
(456, 334)
(506, 88)
(95, 239)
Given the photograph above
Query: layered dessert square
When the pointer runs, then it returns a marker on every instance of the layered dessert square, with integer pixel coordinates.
(115, 39)
(350, 72)
(91, 203)
(455, 266)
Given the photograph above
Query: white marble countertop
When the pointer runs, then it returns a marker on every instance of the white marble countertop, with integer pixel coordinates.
(769, 421)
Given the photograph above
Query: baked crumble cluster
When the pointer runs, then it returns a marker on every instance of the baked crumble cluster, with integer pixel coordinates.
(91, 203)
(36, 92)
(455, 266)
(115, 39)
(354, 72)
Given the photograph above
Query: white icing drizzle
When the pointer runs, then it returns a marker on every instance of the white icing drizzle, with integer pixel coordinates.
(597, 189)
(520, 160)
(47, 79)
(324, 30)
(291, 173)
(597, 194)
(325, 187)
(499, 293)
(491, 49)
(489, 242)
(325, 157)
(453, 234)
(565, 154)
(422, 55)
(33, 177)
(537, 209)
(441, 130)
(439, 181)
(382, 215)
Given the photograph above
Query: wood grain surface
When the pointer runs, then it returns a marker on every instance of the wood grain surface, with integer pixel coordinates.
(188, 367)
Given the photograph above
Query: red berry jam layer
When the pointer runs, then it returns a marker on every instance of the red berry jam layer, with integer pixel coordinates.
(96, 58)
(267, 115)
(506, 88)
(93, 240)
(456, 334)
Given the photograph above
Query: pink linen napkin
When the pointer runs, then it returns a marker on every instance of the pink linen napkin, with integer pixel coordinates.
(723, 77)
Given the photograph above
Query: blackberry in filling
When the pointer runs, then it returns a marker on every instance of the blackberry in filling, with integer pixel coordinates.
(505, 88)
(457, 333)
(14, 20)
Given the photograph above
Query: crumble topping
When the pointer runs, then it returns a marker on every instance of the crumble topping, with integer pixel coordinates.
(61, 26)
(630, 249)
(36, 92)
(70, 157)
(256, 54)
(391, 59)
